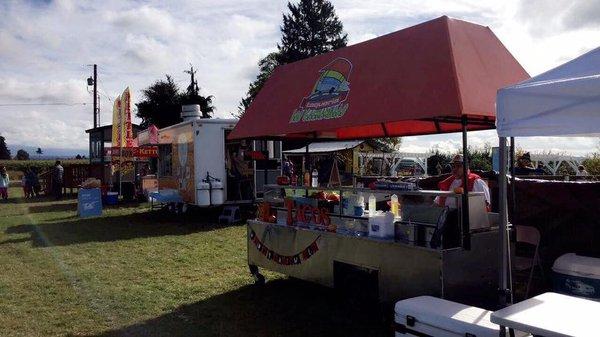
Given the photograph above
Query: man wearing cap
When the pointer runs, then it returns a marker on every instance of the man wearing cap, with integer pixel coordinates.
(474, 183)
(524, 166)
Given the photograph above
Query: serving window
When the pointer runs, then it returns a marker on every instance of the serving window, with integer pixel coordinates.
(165, 160)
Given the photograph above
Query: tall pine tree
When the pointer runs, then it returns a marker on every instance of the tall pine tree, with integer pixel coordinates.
(4, 151)
(311, 28)
(161, 103)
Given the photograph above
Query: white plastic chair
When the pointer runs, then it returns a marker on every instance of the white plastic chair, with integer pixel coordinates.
(529, 235)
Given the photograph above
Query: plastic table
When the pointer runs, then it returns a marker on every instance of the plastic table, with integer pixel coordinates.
(551, 315)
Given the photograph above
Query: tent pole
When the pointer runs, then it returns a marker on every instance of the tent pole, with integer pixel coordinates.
(504, 290)
(265, 172)
(466, 234)
(306, 168)
(512, 176)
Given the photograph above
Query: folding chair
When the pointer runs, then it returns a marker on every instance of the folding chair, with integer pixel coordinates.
(531, 236)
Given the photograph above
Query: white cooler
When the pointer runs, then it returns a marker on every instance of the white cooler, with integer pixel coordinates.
(577, 275)
(431, 316)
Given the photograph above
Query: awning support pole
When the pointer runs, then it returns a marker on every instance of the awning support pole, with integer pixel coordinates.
(504, 264)
(466, 228)
(265, 172)
(307, 168)
(512, 176)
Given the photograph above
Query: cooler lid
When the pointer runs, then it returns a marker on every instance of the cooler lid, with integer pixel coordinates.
(447, 315)
(578, 265)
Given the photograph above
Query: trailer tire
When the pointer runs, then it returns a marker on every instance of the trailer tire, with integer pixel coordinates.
(182, 208)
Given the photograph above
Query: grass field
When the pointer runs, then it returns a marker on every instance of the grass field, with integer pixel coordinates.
(133, 272)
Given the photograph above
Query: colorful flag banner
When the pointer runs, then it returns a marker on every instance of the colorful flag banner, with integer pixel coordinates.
(285, 260)
(127, 130)
(116, 124)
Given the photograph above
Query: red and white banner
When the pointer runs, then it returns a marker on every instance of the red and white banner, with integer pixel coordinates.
(132, 152)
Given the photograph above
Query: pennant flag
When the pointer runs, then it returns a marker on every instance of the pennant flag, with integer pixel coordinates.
(304, 255)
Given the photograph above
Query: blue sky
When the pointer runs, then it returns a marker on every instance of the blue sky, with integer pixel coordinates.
(46, 47)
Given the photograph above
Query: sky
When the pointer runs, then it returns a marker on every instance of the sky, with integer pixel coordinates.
(46, 48)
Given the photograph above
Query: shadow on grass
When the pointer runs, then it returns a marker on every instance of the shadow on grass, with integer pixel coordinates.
(279, 308)
(42, 198)
(114, 228)
(53, 207)
(72, 206)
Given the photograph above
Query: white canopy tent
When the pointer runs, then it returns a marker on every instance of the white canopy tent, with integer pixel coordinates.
(564, 101)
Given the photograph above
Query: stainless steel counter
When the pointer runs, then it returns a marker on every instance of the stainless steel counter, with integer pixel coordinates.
(401, 270)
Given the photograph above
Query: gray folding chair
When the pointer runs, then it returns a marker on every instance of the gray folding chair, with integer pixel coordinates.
(531, 236)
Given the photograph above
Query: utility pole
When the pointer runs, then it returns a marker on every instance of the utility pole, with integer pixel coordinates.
(93, 81)
(96, 110)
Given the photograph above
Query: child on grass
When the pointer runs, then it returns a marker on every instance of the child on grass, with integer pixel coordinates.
(4, 181)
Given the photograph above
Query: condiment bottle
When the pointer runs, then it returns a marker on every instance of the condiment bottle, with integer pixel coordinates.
(315, 178)
(372, 204)
(306, 179)
(394, 205)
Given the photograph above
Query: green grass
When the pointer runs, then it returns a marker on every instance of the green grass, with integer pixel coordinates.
(134, 272)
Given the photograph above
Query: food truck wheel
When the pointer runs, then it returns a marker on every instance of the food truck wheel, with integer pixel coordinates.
(182, 208)
(172, 207)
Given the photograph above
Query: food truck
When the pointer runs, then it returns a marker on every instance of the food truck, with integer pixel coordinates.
(198, 166)
(440, 76)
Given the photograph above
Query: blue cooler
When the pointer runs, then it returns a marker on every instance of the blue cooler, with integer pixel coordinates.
(89, 202)
(111, 198)
(577, 275)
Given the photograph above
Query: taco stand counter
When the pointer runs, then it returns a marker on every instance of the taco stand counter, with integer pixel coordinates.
(384, 269)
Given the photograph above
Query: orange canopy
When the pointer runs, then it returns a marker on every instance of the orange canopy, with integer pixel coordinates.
(420, 80)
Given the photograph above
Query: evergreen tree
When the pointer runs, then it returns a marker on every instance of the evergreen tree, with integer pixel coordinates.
(4, 151)
(311, 28)
(22, 155)
(160, 104)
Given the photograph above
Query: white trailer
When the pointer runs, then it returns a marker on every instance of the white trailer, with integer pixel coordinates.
(197, 165)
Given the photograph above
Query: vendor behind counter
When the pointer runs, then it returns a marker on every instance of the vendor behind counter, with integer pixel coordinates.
(454, 183)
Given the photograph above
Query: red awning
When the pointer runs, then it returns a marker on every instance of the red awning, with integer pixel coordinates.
(420, 80)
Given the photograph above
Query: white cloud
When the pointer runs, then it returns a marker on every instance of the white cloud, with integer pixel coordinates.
(45, 49)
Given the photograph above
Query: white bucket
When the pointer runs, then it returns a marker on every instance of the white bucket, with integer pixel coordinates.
(381, 225)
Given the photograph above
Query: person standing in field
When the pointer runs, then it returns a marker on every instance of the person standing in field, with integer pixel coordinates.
(581, 171)
(57, 179)
(35, 183)
(30, 178)
(4, 181)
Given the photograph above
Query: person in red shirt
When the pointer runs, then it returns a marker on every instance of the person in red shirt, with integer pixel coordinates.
(474, 183)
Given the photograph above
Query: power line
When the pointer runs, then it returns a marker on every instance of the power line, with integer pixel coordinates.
(38, 104)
